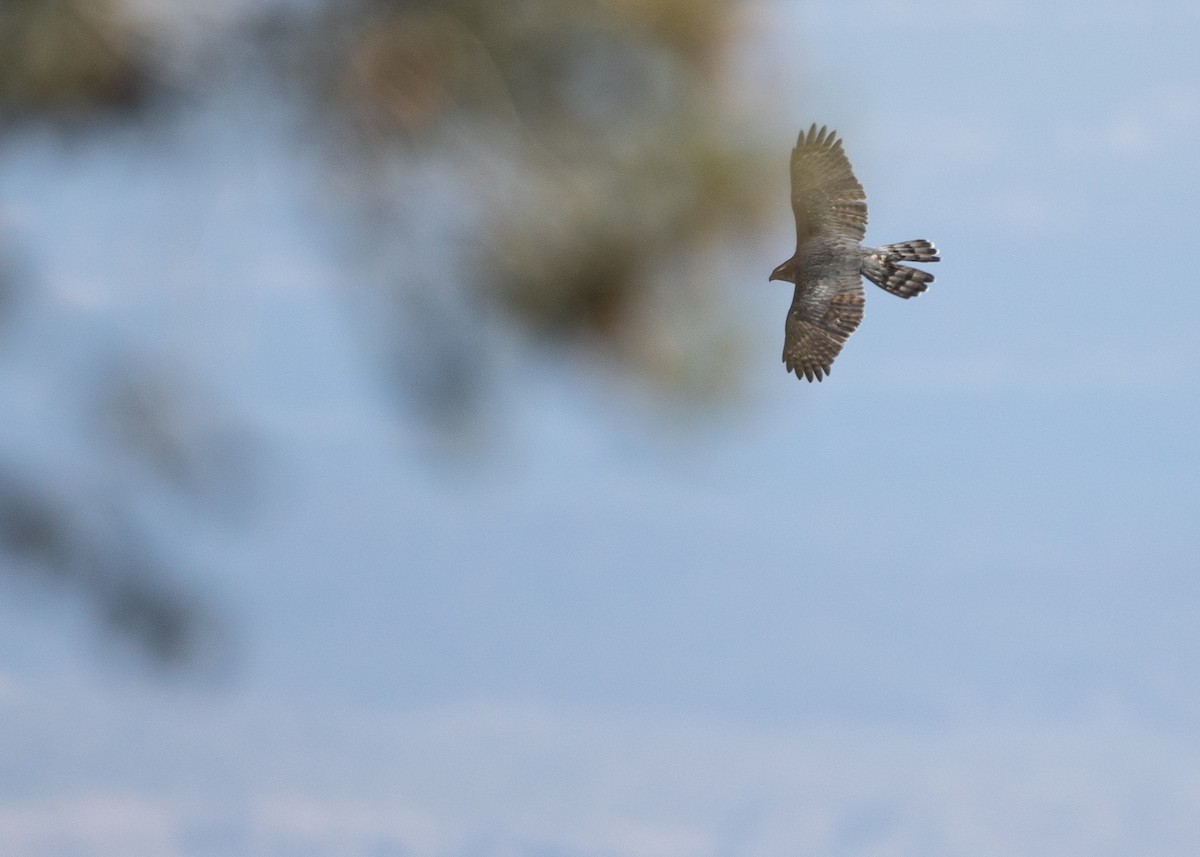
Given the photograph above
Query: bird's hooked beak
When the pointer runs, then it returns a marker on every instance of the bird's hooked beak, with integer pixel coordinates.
(783, 272)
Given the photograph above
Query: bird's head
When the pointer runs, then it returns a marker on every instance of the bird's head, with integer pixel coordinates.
(785, 272)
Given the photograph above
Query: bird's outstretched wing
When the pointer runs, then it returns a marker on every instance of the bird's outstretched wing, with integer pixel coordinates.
(826, 197)
(818, 328)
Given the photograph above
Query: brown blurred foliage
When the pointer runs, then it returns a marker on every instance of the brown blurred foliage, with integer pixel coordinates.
(70, 56)
(594, 144)
(559, 171)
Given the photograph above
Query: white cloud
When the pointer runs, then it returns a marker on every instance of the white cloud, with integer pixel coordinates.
(497, 779)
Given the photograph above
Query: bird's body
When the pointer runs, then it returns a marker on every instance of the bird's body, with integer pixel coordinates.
(831, 221)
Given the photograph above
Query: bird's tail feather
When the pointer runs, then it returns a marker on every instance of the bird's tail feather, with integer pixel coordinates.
(881, 269)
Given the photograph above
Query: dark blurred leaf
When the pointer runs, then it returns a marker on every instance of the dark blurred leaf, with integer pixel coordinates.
(70, 57)
(173, 628)
(33, 530)
(112, 570)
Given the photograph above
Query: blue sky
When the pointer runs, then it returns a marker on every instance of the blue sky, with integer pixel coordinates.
(943, 603)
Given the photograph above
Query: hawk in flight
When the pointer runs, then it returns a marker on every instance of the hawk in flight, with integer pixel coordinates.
(830, 261)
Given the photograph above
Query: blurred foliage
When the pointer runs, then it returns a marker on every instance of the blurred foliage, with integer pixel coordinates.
(558, 171)
(94, 554)
(70, 57)
(593, 144)
(90, 529)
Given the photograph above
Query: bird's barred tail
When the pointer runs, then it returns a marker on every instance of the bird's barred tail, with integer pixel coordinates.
(881, 269)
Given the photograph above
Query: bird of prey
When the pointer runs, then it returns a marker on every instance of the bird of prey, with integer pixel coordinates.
(830, 261)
